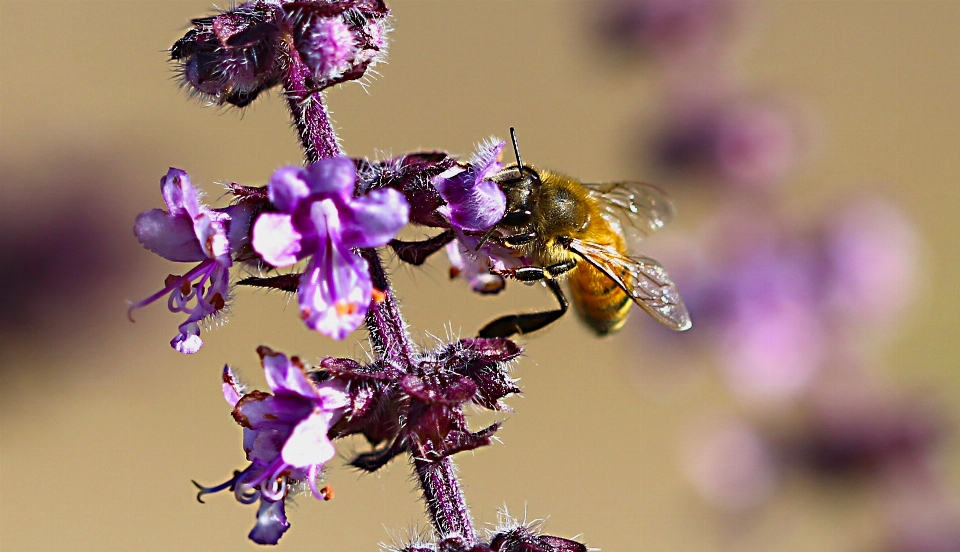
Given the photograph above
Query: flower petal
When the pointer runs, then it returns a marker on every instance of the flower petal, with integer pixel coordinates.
(374, 219)
(275, 239)
(285, 377)
(212, 236)
(271, 523)
(287, 187)
(188, 340)
(309, 445)
(335, 292)
(335, 176)
(179, 194)
(239, 217)
(169, 236)
(232, 389)
(333, 395)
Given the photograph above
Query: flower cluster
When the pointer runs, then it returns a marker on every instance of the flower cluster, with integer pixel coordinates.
(284, 437)
(329, 217)
(459, 197)
(234, 56)
(189, 232)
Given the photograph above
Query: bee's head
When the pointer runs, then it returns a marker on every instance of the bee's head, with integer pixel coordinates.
(521, 185)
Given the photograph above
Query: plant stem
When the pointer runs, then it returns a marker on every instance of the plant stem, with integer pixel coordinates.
(309, 111)
(444, 497)
(441, 489)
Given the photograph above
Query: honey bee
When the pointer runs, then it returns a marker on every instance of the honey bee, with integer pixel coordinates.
(566, 228)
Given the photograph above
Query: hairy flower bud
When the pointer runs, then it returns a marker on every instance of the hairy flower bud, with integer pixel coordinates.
(232, 57)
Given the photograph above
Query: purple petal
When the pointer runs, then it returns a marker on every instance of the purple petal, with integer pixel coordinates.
(333, 395)
(232, 390)
(374, 219)
(188, 340)
(285, 377)
(178, 193)
(335, 292)
(240, 218)
(287, 187)
(212, 236)
(259, 410)
(275, 239)
(170, 237)
(486, 160)
(308, 445)
(271, 523)
(264, 444)
(335, 176)
(475, 207)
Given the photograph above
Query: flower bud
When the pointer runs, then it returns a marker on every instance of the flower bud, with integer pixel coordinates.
(233, 56)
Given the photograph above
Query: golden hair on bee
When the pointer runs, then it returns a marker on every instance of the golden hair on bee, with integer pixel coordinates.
(567, 228)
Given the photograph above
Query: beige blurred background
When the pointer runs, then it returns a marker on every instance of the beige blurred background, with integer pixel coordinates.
(104, 425)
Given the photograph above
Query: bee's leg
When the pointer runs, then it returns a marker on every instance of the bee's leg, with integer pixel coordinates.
(416, 253)
(525, 323)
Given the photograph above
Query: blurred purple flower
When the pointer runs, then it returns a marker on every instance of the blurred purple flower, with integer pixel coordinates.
(188, 232)
(747, 143)
(321, 219)
(284, 437)
(731, 465)
(872, 252)
(669, 30)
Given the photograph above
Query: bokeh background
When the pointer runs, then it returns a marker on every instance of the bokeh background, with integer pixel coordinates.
(104, 425)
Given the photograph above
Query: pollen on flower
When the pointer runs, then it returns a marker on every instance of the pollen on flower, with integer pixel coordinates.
(217, 301)
(345, 308)
(170, 279)
(327, 492)
(378, 296)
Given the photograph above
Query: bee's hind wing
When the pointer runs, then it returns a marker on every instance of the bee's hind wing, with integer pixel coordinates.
(644, 279)
(643, 207)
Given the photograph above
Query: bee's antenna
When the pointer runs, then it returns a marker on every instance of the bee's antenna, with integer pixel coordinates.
(516, 150)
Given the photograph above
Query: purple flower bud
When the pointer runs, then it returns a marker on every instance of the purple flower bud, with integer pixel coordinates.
(319, 218)
(187, 232)
(284, 437)
(234, 56)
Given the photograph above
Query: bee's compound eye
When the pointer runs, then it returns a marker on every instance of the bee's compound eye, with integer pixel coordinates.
(516, 218)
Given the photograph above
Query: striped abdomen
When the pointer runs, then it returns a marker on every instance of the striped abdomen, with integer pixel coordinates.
(600, 301)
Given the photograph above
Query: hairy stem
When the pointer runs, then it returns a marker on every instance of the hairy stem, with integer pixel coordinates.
(388, 332)
(309, 111)
(444, 498)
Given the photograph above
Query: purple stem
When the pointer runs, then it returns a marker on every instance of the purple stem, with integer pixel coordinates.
(309, 111)
(388, 332)
(444, 497)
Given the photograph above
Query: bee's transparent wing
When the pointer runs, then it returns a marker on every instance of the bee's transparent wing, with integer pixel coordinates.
(641, 208)
(644, 280)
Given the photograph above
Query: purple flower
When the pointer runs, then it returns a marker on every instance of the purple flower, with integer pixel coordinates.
(474, 203)
(188, 232)
(479, 267)
(751, 144)
(320, 219)
(284, 437)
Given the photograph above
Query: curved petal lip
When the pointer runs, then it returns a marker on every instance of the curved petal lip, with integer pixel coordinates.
(171, 237)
